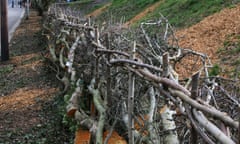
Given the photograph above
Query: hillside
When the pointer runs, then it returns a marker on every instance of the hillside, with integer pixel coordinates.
(201, 26)
(215, 35)
(31, 103)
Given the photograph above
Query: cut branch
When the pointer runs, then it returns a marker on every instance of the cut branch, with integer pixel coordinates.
(211, 110)
(217, 133)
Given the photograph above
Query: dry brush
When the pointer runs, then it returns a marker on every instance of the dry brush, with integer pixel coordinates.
(139, 83)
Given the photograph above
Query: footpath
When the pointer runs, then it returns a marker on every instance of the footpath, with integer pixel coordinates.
(29, 91)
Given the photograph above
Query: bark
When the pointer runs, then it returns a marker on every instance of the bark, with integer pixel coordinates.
(211, 110)
(195, 125)
(215, 131)
(194, 95)
(73, 104)
(169, 125)
(172, 84)
(131, 90)
(101, 108)
(71, 54)
(152, 132)
(85, 120)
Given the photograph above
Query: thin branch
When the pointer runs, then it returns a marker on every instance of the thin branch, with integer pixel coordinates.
(106, 51)
(126, 61)
(211, 110)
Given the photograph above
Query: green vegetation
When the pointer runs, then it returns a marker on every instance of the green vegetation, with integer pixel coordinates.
(232, 44)
(84, 6)
(236, 48)
(6, 69)
(215, 70)
(183, 13)
(230, 54)
(124, 9)
(79, 2)
(180, 13)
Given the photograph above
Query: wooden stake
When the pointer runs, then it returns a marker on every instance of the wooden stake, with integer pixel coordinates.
(239, 127)
(194, 94)
(165, 64)
(131, 89)
(108, 73)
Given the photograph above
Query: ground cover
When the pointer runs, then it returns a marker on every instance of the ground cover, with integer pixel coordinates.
(27, 90)
(29, 94)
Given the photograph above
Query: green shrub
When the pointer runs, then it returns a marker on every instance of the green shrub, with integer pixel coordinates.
(215, 70)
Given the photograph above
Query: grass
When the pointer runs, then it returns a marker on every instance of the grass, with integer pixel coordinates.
(232, 44)
(215, 70)
(124, 9)
(180, 13)
(230, 53)
(184, 13)
(80, 2)
(6, 69)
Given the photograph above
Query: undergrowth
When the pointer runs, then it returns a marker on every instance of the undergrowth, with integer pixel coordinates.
(230, 53)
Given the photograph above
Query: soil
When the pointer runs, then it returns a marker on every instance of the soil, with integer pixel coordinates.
(98, 11)
(142, 14)
(209, 36)
(28, 90)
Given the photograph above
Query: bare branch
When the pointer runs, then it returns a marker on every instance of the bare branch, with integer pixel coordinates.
(211, 110)
(212, 128)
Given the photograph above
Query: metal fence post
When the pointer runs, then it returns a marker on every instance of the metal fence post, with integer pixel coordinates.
(4, 31)
(27, 9)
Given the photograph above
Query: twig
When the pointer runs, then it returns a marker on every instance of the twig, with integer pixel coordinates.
(211, 110)
(127, 61)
